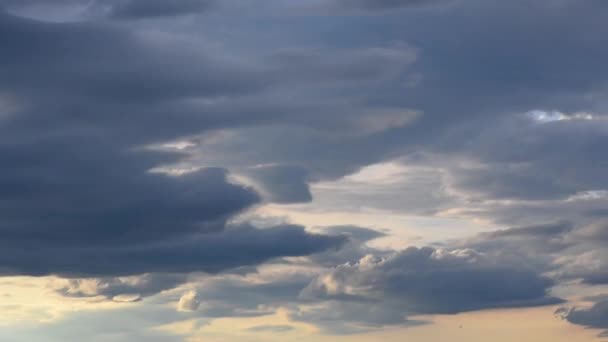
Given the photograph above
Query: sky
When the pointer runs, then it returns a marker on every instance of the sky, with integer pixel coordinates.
(311, 170)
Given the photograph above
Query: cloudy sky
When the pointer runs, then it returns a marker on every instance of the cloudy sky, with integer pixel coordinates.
(310, 170)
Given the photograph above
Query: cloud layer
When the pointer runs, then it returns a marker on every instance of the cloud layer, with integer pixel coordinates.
(139, 138)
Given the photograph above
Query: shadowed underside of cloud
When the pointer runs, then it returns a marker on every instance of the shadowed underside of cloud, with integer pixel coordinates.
(208, 252)
(431, 280)
(594, 317)
(348, 238)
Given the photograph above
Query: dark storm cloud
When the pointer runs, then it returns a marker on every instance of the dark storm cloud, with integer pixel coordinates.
(78, 197)
(524, 159)
(92, 208)
(379, 291)
(133, 288)
(515, 267)
(209, 252)
(487, 72)
(565, 251)
(98, 82)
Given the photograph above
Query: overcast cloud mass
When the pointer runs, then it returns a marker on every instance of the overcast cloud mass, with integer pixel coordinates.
(340, 170)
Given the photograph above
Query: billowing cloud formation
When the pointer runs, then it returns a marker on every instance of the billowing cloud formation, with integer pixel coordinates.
(189, 301)
(119, 140)
(431, 280)
(135, 287)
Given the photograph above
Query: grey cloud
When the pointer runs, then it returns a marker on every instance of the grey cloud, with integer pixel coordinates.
(352, 65)
(595, 232)
(111, 77)
(538, 231)
(133, 288)
(78, 193)
(355, 249)
(594, 317)
(209, 252)
(387, 289)
(283, 183)
(356, 233)
(427, 280)
(531, 242)
(238, 297)
(137, 9)
(565, 251)
(481, 99)
(220, 290)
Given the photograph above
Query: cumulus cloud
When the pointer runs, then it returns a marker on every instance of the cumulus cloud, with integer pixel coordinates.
(189, 301)
(431, 280)
(132, 287)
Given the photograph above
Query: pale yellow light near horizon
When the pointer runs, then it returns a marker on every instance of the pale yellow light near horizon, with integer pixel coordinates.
(526, 325)
(32, 299)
